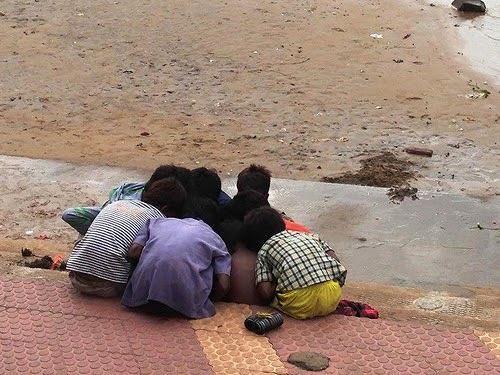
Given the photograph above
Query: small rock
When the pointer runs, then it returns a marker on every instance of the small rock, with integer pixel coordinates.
(397, 61)
(145, 134)
(419, 151)
(477, 6)
(25, 252)
(310, 361)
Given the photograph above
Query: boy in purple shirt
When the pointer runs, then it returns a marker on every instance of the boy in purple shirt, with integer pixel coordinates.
(183, 264)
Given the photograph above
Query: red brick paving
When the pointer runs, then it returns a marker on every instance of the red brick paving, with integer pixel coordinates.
(363, 346)
(46, 328)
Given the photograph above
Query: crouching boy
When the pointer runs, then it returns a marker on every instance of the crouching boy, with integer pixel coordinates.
(98, 264)
(296, 273)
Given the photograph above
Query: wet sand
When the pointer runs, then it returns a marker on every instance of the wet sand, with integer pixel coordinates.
(478, 37)
(298, 86)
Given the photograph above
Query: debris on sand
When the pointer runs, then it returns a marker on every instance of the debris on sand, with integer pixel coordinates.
(419, 151)
(383, 170)
(477, 6)
(397, 194)
(43, 263)
(478, 92)
(25, 252)
(46, 262)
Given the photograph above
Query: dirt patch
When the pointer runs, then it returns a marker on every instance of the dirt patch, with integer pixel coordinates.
(43, 263)
(383, 170)
(193, 94)
(399, 193)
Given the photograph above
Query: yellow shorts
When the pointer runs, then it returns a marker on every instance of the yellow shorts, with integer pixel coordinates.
(315, 300)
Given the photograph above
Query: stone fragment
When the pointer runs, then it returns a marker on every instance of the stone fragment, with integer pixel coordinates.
(419, 151)
(309, 361)
(469, 6)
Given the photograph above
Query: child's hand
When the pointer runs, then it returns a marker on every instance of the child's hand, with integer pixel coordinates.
(220, 287)
(135, 251)
(333, 255)
(266, 290)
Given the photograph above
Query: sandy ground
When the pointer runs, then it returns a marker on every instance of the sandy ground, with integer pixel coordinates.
(298, 85)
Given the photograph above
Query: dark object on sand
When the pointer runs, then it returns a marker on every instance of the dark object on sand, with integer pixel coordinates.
(261, 323)
(359, 309)
(419, 151)
(309, 361)
(25, 252)
(398, 193)
(477, 6)
(44, 263)
(383, 170)
(62, 266)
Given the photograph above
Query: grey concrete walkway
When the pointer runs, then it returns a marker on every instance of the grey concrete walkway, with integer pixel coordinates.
(431, 241)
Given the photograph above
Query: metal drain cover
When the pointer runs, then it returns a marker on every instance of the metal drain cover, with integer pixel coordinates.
(449, 305)
(429, 303)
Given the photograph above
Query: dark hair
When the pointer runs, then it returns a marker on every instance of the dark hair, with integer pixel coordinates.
(203, 209)
(243, 203)
(165, 171)
(206, 183)
(260, 225)
(166, 192)
(254, 177)
(230, 232)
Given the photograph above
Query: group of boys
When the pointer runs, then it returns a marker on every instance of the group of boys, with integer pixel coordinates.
(176, 243)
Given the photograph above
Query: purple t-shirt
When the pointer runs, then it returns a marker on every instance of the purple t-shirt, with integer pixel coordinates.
(177, 266)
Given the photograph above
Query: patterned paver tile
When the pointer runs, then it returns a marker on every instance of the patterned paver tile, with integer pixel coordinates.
(55, 296)
(491, 340)
(230, 318)
(46, 328)
(378, 346)
(239, 354)
(20, 357)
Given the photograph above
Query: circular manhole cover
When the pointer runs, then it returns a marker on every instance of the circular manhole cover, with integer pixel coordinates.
(429, 303)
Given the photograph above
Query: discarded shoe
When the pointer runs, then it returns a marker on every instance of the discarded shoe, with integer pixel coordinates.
(361, 310)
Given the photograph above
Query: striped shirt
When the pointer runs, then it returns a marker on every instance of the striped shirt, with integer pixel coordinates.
(103, 250)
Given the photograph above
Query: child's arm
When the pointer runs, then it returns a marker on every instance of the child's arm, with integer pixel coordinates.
(222, 268)
(339, 270)
(264, 279)
(328, 250)
(220, 287)
(266, 290)
(135, 250)
(134, 253)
